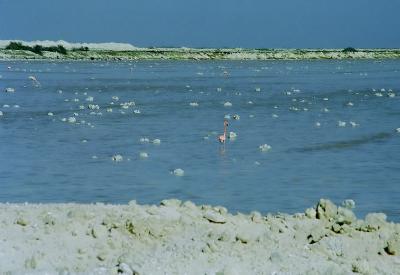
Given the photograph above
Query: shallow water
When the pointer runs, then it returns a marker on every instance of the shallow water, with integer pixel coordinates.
(43, 159)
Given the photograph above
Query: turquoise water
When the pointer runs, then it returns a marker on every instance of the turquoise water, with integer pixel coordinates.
(45, 159)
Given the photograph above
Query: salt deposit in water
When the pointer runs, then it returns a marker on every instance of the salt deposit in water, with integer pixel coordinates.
(117, 158)
(9, 90)
(264, 147)
(179, 172)
(228, 104)
(143, 155)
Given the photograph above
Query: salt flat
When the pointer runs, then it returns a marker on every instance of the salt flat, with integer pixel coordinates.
(182, 238)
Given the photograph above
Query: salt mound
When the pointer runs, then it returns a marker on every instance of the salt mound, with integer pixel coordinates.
(117, 158)
(265, 147)
(179, 172)
(109, 46)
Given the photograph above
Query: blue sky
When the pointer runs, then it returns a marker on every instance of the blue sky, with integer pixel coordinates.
(207, 23)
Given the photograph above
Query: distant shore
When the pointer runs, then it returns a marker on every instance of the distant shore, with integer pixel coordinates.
(199, 54)
(63, 50)
(182, 238)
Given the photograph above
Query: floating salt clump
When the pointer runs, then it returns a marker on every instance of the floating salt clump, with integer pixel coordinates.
(325, 99)
(76, 114)
(116, 98)
(9, 90)
(16, 106)
(117, 158)
(85, 93)
(249, 102)
(156, 141)
(264, 147)
(60, 91)
(341, 123)
(305, 109)
(143, 155)
(378, 94)
(274, 115)
(258, 89)
(275, 107)
(251, 116)
(288, 93)
(353, 124)
(94, 157)
(256, 163)
(326, 110)
(6, 106)
(136, 111)
(194, 104)
(84, 140)
(236, 117)
(71, 119)
(109, 110)
(398, 130)
(93, 107)
(232, 135)
(228, 104)
(350, 104)
(1, 113)
(50, 114)
(66, 100)
(317, 124)
(178, 172)
(144, 140)
(227, 116)
(76, 99)
(81, 107)
(294, 99)
(219, 89)
(382, 90)
(63, 119)
(391, 94)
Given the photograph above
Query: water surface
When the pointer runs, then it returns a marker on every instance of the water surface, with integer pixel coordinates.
(45, 159)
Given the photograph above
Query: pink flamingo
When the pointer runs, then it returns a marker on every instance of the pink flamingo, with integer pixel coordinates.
(222, 138)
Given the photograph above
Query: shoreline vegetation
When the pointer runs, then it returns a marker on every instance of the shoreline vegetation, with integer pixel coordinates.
(17, 50)
(183, 238)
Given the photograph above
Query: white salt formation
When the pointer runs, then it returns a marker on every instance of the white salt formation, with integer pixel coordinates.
(179, 172)
(143, 155)
(232, 135)
(156, 141)
(265, 147)
(182, 238)
(228, 104)
(117, 158)
(9, 90)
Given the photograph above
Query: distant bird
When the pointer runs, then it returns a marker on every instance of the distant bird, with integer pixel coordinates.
(222, 138)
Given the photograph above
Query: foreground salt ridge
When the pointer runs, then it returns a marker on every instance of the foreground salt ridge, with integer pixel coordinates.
(182, 238)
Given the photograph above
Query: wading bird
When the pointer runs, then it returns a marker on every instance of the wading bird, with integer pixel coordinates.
(222, 138)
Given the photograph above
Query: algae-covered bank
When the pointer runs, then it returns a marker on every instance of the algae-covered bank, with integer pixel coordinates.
(47, 50)
(182, 238)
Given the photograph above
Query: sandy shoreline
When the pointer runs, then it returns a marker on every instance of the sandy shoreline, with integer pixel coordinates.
(202, 54)
(182, 238)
